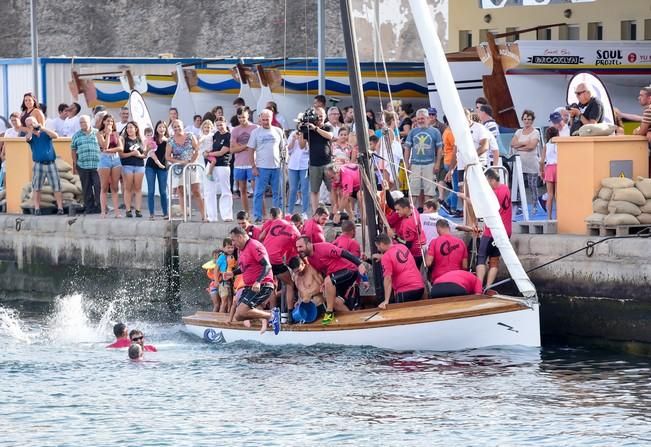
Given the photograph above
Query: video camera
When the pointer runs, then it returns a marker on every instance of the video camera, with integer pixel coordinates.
(309, 116)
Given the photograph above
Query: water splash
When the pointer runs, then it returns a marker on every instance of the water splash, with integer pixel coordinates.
(12, 327)
(70, 321)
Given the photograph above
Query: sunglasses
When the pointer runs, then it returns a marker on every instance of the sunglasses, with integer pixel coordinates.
(138, 338)
(580, 92)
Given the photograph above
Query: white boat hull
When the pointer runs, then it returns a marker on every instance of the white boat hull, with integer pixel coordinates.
(517, 328)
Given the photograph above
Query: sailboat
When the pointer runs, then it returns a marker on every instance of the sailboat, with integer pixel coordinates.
(443, 324)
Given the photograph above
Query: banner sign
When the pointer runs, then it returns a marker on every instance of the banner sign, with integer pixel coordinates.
(575, 54)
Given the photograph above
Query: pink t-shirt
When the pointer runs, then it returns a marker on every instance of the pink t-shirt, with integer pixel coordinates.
(504, 198)
(314, 231)
(349, 179)
(254, 232)
(465, 279)
(280, 241)
(448, 252)
(327, 259)
(240, 135)
(120, 343)
(249, 262)
(345, 242)
(398, 263)
(411, 230)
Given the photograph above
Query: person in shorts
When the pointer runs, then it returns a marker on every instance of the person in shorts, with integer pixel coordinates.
(340, 269)
(43, 155)
(255, 268)
(488, 251)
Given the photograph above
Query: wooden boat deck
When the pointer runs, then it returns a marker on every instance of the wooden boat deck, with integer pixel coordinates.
(396, 314)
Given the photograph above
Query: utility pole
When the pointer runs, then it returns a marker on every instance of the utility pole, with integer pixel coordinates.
(321, 45)
(34, 38)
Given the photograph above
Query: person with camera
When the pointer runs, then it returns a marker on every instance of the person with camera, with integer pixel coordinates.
(588, 109)
(40, 142)
(317, 135)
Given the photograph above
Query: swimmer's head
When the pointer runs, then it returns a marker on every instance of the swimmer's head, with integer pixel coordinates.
(135, 351)
(120, 330)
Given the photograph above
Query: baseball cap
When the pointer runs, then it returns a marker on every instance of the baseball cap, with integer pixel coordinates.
(432, 111)
(555, 118)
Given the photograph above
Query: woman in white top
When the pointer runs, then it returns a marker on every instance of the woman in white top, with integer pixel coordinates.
(548, 162)
(525, 143)
(297, 169)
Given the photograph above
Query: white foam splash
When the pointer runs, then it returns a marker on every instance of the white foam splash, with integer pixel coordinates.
(70, 322)
(12, 327)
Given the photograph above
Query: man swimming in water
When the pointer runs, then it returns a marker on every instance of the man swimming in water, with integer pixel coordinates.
(136, 352)
(121, 336)
(138, 337)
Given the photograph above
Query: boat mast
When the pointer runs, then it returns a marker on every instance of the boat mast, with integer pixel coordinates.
(361, 130)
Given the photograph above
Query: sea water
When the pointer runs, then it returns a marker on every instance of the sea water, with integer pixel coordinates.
(59, 386)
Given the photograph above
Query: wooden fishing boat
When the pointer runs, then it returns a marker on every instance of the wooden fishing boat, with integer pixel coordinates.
(443, 324)
(454, 323)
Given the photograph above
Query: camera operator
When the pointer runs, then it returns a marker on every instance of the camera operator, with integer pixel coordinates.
(317, 135)
(588, 110)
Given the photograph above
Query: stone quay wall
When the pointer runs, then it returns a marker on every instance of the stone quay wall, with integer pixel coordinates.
(603, 295)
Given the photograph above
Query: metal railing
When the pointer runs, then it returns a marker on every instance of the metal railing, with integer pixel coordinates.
(187, 189)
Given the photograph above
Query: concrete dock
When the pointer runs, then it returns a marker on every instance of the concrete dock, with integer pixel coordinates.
(600, 292)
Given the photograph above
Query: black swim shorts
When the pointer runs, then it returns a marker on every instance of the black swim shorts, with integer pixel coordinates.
(487, 249)
(344, 280)
(253, 299)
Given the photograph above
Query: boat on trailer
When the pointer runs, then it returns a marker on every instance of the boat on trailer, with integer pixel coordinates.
(442, 324)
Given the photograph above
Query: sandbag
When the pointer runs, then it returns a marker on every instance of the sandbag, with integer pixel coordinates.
(632, 195)
(644, 185)
(621, 219)
(644, 218)
(68, 196)
(26, 190)
(595, 218)
(605, 193)
(646, 208)
(621, 207)
(30, 204)
(595, 130)
(69, 187)
(600, 206)
(617, 182)
(66, 175)
(46, 198)
(62, 165)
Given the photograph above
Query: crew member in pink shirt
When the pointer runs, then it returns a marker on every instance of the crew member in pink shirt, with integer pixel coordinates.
(455, 283)
(279, 238)
(255, 268)
(410, 230)
(346, 240)
(401, 275)
(121, 336)
(340, 270)
(446, 252)
(137, 336)
(347, 176)
(313, 228)
(244, 221)
(487, 250)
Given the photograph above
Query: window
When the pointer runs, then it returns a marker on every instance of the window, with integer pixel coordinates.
(544, 34)
(465, 39)
(629, 30)
(569, 32)
(647, 29)
(513, 37)
(595, 31)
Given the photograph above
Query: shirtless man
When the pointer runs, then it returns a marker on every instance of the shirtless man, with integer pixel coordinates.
(340, 268)
(309, 283)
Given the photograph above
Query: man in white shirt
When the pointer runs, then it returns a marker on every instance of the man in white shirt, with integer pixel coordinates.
(56, 124)
(267, 142)
(124, 119)
(430, 216)
(195, 128)
(13, 131)
(71, 124)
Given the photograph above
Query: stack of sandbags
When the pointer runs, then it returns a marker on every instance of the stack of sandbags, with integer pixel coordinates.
(70, 189)
(620, 201)
(3, 199)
